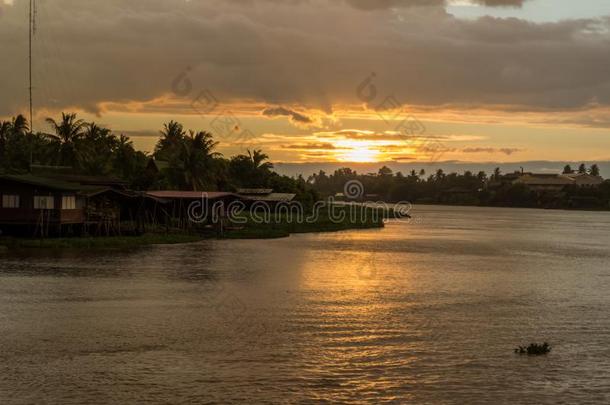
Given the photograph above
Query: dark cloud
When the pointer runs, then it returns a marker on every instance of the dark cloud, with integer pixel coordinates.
(403, 158)
(506, 151)
(310, 146)
(310, 53)
(294, 116)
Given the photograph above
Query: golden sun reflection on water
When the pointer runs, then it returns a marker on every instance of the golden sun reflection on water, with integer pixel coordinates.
(352, 328)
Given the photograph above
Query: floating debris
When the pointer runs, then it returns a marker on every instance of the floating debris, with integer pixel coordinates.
(534, 349)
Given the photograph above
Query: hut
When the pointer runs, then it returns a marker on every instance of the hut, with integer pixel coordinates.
(43, 206)
(264, 195)
(186, 209)
(32, 204)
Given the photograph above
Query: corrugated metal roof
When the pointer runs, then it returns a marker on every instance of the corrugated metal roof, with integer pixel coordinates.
(273, 197)
(92, 191)
(254, 191)
(189, 195)
(52, 184)
(585, 179)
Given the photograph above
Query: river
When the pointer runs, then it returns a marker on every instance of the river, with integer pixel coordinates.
(426, 311)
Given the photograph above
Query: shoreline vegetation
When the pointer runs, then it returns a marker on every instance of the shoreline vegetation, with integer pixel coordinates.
(187, 161)
(276, 227)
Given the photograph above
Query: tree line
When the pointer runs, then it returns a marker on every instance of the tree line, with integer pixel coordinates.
(582, 169)
(468, 188)
(193, 163)
(190, 156)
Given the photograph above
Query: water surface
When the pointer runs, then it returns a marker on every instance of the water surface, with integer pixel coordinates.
(426, 312)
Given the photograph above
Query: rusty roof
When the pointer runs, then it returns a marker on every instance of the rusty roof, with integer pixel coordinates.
(273, 197)
(254, 191)
(189, 195)
(43, 182)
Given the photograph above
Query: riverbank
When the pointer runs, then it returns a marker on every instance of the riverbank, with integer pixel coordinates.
(243, 227)
(106, 242)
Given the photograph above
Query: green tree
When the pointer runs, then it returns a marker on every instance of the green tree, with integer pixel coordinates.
(260, 160)
(95, 150)
(171, 141)
(568, 169)
(67, 132)
(251, 170)
(196, 160)
(594, 171)
(385, 171)
(440, 175)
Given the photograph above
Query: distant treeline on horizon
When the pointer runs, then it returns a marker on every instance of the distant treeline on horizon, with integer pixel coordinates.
(191, 162)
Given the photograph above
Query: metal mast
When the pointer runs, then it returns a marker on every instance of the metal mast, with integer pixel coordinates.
(31, 29)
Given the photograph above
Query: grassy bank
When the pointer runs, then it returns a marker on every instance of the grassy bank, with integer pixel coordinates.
(277, 226)
(248, 227)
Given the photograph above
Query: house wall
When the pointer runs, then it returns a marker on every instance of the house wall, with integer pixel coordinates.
(27, 215)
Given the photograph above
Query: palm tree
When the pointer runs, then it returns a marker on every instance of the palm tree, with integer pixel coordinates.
(258, 159)
(67, 132)
(172, 136)
(204, 141)
(196, 159)
(124, 157)
(95, 148)
(20, 125)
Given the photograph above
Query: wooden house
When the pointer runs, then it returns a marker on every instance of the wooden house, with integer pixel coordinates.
(38, 204)
(185, 209)
(35, 205)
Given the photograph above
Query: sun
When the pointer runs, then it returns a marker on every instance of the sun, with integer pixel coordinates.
(356, 151)
(360, 156)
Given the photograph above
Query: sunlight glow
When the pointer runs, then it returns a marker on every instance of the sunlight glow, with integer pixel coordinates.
(357, 151)
(360, 156)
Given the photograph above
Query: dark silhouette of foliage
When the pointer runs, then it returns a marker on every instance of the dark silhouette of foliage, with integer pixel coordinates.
(534, 349)
(582, 169)
(594, 170)
(190, 156)
(190, 162)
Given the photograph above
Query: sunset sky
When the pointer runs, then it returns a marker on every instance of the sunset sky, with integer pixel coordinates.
(326, 80)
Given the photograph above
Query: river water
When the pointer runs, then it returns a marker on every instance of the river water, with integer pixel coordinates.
(426, 312)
